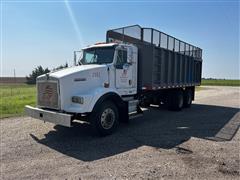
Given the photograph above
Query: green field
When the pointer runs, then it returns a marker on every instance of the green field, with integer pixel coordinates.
(13, 98)
(220, 82)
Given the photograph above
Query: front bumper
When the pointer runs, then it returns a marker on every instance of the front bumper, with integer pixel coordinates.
(49, 116)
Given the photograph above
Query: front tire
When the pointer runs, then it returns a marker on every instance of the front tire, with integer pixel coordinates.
(105, 119)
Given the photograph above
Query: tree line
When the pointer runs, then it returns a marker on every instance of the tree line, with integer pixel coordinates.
(39, 70)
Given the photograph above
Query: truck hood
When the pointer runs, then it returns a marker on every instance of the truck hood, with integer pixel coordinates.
(75, 69)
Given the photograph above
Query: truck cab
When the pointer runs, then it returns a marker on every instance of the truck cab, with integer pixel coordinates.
(105, 72)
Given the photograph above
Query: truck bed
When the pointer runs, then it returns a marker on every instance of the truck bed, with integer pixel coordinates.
(164, 61)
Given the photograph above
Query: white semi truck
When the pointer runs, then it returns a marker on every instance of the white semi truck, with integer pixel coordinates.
(113, 81)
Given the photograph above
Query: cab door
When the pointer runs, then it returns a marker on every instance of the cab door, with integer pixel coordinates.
(124, 70)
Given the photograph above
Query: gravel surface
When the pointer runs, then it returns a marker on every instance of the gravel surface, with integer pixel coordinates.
(197, 143)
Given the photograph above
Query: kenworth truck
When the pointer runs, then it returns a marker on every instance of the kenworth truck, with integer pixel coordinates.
(113, 81)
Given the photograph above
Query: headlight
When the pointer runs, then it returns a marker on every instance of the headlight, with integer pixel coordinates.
(77, 99)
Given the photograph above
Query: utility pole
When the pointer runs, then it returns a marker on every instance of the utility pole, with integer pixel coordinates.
(14, 73)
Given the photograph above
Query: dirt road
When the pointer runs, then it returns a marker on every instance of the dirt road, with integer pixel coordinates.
(197, 143)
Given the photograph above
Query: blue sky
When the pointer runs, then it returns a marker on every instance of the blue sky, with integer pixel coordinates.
(47, 32)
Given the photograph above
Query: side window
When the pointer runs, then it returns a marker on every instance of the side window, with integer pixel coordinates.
(121, 59)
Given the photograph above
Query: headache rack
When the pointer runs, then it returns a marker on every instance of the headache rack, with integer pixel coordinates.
(164, 61)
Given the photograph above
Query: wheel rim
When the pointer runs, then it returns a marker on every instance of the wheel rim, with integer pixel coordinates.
(107, 118)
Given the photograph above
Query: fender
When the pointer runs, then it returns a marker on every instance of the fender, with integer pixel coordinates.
(101, 94)
(117, 100)
(109, 96)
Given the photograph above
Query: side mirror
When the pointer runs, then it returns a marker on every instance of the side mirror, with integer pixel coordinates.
(77, 57)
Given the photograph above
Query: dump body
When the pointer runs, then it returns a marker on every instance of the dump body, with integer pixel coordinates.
(163, 61)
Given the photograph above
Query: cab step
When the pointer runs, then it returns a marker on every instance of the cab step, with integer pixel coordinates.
(134, 110)
(132, 105)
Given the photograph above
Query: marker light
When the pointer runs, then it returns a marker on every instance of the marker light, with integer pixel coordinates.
(106, 85)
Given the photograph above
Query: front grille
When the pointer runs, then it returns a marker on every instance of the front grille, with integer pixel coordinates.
(48, 94)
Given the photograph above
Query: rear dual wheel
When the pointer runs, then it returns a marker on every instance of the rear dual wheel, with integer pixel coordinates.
(187, 98)
(175, 100)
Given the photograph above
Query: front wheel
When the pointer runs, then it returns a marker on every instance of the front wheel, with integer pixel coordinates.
(105, 119)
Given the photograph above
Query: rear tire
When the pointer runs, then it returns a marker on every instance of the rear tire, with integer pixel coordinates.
(104, 119)
(187, 100)
(175, 100)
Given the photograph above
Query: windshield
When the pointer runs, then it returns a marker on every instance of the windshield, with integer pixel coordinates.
(101, 55)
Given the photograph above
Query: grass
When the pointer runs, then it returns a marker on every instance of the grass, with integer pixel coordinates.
(220, 82)
(13, 98)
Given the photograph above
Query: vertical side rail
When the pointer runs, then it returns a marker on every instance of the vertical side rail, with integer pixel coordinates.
(160, 39)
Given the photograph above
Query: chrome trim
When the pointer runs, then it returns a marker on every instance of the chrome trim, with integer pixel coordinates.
(49, 116)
